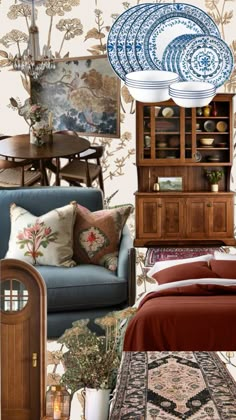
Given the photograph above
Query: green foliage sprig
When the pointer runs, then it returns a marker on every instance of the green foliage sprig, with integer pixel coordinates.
(214, 175)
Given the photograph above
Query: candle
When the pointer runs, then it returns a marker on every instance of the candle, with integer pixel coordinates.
(56, 411)
(50, 118)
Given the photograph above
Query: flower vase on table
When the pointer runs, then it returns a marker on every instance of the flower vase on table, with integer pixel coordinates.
(36, 134)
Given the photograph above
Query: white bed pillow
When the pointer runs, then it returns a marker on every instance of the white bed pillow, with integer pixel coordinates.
(224, 256)
(161, 265)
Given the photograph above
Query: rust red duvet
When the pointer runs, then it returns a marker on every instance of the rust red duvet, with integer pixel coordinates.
(194, 315)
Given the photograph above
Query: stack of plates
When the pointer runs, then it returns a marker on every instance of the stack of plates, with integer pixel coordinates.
(199, 57)
(180, 38)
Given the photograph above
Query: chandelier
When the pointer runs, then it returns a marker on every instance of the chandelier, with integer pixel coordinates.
(32, 62)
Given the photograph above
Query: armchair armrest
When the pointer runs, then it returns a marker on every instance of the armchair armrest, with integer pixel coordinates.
(127, 263)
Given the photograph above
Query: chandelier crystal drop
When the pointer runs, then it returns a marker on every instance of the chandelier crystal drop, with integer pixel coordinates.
(32, 62)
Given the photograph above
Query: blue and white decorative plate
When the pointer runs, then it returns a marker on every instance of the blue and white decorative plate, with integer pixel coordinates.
(172, 50)
(112, 37)
(165, 24)
(205, 58)
(128, 30)
(175, 56)
(130, 50)
(163, 36)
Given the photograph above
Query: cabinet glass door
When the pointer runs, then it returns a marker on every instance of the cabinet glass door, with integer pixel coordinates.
(190, 130)
(147, 132)
(167, 132)
(213, 133)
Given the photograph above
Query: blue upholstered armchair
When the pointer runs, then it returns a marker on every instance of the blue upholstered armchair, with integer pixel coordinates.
(84, 291)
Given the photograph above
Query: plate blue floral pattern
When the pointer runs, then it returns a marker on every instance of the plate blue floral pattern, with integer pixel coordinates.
(127, 30)
(205, 58)
(175, 37)
(130, 38)
(112, 48)
(172, 50)
(163, 25)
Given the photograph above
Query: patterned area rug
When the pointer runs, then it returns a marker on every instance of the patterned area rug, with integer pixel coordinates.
(174, 385)
(159, 254)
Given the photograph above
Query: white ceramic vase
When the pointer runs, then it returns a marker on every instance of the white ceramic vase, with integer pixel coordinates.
(214, 187)
(97, 404)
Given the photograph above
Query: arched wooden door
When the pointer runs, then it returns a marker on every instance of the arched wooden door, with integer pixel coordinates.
(23, 341)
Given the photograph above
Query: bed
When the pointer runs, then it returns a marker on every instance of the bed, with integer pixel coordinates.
(193, 308)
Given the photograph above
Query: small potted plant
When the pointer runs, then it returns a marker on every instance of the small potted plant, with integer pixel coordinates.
(91, 362)
(214, 176)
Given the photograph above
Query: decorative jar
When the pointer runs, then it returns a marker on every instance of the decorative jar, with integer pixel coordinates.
(207, 111)
(57, 403)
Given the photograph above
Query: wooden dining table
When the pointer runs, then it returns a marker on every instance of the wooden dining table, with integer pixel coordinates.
(61, 145)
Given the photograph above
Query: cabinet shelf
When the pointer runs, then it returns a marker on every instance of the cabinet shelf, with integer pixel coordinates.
(221, 133)
(218, 117)
(167, 132)
(213, 149)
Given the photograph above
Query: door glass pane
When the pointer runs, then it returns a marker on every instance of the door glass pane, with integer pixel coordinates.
(14, 296)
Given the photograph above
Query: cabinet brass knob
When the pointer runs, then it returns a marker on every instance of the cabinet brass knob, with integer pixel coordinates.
(159, 205)
(209, 204)
(34, 360)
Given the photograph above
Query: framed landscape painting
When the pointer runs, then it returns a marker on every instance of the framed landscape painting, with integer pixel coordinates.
(83, 94)
(170, 183)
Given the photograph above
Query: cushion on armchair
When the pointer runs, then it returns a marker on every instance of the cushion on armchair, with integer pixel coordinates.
(82, 287)
(43, 240)
(97, 235)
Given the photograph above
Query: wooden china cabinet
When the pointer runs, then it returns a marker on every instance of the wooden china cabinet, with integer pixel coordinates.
(169, 146)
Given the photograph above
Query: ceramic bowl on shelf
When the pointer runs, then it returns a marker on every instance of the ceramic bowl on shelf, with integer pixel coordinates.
(162, 144)
(222, 144)
(192, 94)
(167, 112)
(206, 141)
(214, 158)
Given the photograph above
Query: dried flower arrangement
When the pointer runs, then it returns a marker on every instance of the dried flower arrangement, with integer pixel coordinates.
(92, 361)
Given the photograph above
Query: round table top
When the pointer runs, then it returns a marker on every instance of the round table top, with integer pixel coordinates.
(63, 145)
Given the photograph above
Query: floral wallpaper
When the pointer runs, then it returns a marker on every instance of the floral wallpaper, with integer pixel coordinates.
(78, 28)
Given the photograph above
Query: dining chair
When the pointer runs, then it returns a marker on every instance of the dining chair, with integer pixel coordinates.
(80, 170)
(14, 174)
(17, 172)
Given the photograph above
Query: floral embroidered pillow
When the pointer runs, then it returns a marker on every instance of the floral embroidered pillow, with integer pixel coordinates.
(43, 240)
(97, 235)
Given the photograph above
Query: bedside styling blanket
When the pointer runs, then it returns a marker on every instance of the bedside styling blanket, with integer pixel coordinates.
(174, 386)
(171, 253)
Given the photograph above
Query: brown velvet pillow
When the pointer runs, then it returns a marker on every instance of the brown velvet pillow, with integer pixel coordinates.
(224, 268)
(195, 270)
